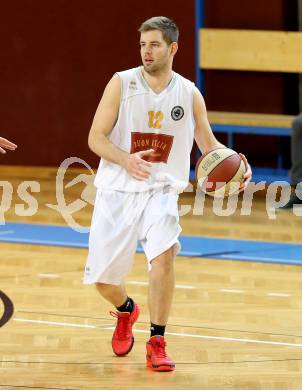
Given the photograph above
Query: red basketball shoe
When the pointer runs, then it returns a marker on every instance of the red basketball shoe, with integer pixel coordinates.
(157, 359)
(122, 339)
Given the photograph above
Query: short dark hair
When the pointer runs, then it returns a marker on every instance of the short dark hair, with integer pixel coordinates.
(165, 25)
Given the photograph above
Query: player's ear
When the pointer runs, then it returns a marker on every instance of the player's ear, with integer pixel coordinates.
(174, 48)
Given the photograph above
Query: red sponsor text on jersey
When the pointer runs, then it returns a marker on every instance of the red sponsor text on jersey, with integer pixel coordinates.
(160, 143)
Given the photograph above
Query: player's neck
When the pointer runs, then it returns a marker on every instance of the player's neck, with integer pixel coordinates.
(158, 81)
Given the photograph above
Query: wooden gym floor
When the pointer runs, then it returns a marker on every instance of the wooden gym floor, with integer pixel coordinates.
(233, 325)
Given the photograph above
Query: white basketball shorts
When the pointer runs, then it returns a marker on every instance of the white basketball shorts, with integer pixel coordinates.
(122, 219)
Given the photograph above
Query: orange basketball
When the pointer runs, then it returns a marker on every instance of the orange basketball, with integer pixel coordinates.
(220, 172)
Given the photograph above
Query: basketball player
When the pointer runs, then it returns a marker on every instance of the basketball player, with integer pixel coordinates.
(144, 129)
(6, 144)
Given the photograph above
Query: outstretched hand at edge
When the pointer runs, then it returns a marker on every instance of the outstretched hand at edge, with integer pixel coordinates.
(6, 144)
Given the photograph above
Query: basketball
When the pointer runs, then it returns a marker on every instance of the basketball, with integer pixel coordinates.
(220, 172)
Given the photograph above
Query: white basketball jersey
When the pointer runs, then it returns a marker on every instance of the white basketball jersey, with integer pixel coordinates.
(163, 122)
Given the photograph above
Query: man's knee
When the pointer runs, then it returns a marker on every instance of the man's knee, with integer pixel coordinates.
(104, 286)
(99, 286)
(163, 263)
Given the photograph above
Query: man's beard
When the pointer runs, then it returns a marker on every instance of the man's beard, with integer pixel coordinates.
(157, 68)
(152, 69)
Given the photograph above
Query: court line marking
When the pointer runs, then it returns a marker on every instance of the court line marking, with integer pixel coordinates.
(277, 294)
(180, 286)
(35, 387)
(240, 340)
(49, 276)
(60, 323)
(261, 260)
(139, 364)
(140, 283)
(172, 325)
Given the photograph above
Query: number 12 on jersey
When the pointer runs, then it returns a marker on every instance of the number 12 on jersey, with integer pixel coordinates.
(155, 119)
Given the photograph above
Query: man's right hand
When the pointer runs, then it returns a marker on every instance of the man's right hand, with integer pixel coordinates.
(136, 166)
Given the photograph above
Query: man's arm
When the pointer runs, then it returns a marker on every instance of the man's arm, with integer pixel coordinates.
(6, 144)
(205, 138)
(102, 125)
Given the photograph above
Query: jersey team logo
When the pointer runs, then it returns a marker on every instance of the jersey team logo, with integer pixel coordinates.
(133, 85)
(177, 113)
(160, 143)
